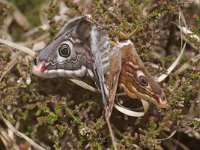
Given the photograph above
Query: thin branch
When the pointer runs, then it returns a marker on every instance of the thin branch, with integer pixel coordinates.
(110, 130)
(84, 85)
(128, 112)
(189, 33)
(19, 47)
(175, 63)
(187, 64)
(184, 147)
(9, 143)
(170, 136)
(12, 128)
(9, 66)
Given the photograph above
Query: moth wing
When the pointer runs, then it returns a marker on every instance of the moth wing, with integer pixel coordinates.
(107, 65)
(71, 24)
(112, 78)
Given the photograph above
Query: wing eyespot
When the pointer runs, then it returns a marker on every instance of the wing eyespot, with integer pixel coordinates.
(143, 80)
(64, 50)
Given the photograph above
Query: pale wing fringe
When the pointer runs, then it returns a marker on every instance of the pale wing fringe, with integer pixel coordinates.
(12, 128)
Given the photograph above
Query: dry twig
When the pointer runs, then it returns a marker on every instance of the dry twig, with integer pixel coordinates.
(18, 47)
(12, 128)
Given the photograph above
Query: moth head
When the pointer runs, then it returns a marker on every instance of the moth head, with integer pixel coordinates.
(68, 54)
(136, 80)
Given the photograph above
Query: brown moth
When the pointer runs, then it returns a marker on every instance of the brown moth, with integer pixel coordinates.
(82, 48)
(135, 80)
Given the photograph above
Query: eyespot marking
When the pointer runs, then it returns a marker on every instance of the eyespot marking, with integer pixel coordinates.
(64, 50)
(143, 80)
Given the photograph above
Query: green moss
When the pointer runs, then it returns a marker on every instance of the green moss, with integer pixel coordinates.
(30, 9)
(53, 112)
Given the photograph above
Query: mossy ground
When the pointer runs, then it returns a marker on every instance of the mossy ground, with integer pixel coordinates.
(56, 113)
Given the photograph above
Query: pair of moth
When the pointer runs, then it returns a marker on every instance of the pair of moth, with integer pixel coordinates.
(83, 48)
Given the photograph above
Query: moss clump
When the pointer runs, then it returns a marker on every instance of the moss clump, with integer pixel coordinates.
(59, 115)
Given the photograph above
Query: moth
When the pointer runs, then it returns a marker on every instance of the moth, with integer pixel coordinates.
(135, 80)
(83, 48)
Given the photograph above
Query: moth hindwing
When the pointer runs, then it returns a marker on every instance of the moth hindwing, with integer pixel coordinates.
(135, 80)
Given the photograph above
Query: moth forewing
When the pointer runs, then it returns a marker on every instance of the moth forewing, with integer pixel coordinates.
(97, 61)
(82, 48)
(112, 78)
(68, 26)
(108, 63)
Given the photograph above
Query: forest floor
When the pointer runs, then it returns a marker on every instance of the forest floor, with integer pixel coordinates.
(57, 114)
